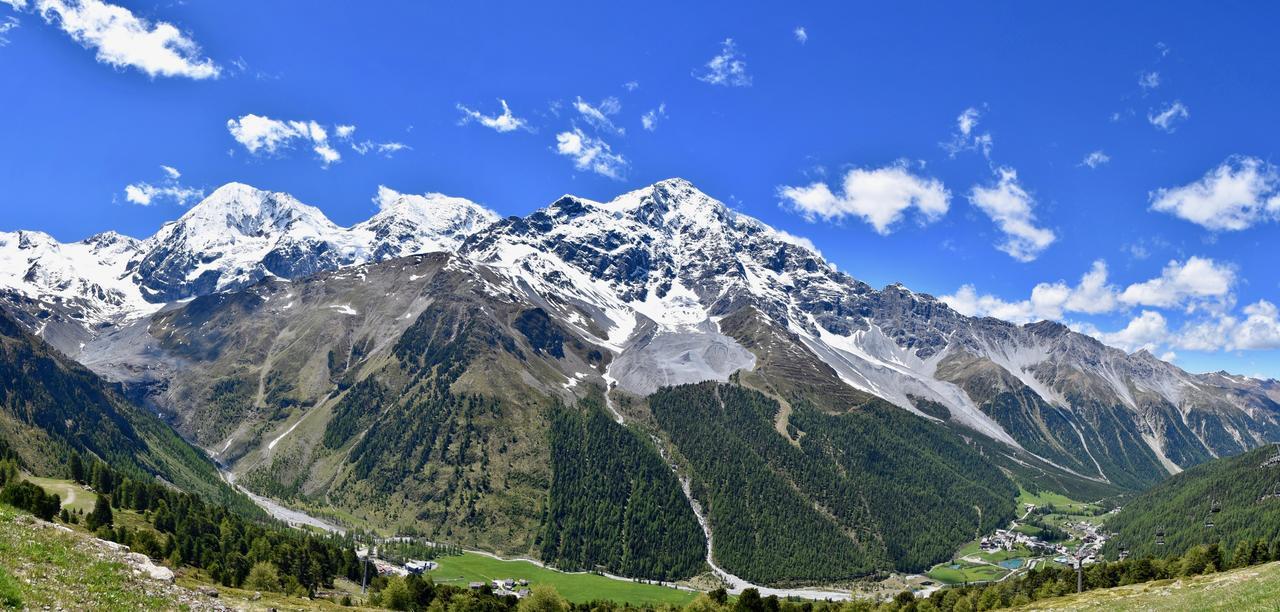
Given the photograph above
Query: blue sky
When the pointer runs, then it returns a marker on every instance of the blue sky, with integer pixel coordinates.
(943, 145)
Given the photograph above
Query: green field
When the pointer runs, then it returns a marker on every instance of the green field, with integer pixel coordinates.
(74, 497)
(472, 567)
(963, 571)
(1254, 588)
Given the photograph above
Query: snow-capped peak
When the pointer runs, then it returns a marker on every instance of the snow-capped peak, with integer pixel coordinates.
(412, 223)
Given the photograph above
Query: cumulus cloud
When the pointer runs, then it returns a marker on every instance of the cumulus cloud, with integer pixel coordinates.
(144, 193)
(1239, 193)
(801, 35)
(1092, 295)
(590, 153)
(1170, 116)
(1148, 331)
(728, 68)
(1256, 329)
(502, 123)
(123, 40)
(966, 136)
(880, 197)
(1182, 283)
(1011, 208)
(1095, 159)
(650, 119)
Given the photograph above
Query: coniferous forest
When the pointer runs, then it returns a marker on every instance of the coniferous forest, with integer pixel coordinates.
(614, 503)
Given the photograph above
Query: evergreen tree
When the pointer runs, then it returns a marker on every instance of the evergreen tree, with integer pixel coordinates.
(101, 515)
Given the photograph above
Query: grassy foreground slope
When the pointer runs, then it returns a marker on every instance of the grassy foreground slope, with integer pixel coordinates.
(1250, 588)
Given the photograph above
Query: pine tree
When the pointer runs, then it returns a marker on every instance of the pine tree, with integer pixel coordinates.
(101, 515)
(77, 468)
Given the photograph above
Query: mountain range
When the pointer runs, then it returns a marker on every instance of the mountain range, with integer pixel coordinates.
(436, 367)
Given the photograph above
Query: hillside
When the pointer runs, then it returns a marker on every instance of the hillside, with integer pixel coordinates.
(1246, 589)
(1245, 488)
(51, 407)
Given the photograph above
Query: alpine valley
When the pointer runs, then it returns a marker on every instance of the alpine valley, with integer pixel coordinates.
(651, 386)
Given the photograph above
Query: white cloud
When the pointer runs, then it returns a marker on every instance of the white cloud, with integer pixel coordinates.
(1149, 331)
(1168, 118)
(879, 197)
(1183, 282)
(590, 153)
(801, 241)
(123, 39)
(966, 137)
(261, 134)
(966, 301)
(729, 68)
(9, 24)
(143, 193)
(650, 119)
(506, 122)
(381, 148)
(1093, 295)
(1149, 80)
(631, 85)
(1260, 330)
(346, 133)
(802, 36)
(1010, 207)
(1239, 193)
(598, 116)
(1095, 159)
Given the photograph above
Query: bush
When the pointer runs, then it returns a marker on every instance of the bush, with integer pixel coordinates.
(544, 598)
(263, 576)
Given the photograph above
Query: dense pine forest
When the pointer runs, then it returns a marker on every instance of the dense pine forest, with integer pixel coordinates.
(614, 503)
(1244, 489)
(838, 496)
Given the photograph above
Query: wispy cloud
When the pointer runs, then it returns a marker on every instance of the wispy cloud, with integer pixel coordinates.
(144, 193)
(1170, 116)
(1095, 159)
(9, 24)
(1149, 80)
(650, 119)
(728, 68)
(881, 197)
(801, 35)
(1012, 210)
(590, 154)
(502, 123)
(598, 116)
(121, 39)
(966, 136)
